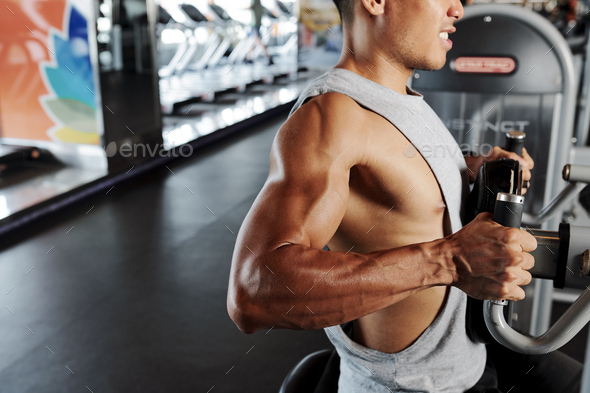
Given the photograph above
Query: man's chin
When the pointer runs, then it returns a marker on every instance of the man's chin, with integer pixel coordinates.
(431, 66)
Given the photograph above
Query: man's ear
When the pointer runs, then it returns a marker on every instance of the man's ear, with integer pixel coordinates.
(374, 7)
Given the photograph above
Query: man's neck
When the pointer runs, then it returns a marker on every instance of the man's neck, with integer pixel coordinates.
(364, 59)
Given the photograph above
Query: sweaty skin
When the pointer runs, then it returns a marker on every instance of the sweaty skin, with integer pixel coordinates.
(339, 176)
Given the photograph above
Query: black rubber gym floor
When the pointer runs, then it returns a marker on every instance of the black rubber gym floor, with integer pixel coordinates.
(126, 291)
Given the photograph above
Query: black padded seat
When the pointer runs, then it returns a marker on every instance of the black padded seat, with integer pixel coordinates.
(316, 373)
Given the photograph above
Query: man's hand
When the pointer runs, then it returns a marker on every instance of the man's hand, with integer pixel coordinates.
(490, 260)
(497, 153)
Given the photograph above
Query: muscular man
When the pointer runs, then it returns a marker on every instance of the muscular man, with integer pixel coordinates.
(344, 172)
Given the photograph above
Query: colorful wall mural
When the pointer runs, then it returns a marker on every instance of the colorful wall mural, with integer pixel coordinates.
(47, 90)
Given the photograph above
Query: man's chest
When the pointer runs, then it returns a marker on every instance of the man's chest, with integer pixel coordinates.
(393, 173)
(394, 196)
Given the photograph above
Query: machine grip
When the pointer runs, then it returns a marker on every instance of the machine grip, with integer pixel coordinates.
(576, 173)
(515, 142)
(508, 212)
(509, 209)
(562, 331)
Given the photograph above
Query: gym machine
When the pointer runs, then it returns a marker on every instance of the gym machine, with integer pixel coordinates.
(562, 256)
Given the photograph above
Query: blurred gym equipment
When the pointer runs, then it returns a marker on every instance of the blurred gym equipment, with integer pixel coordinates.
(211, 48)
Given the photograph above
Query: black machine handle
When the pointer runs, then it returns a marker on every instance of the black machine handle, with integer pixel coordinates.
(508, 212)
(515, 142)
(509, 209)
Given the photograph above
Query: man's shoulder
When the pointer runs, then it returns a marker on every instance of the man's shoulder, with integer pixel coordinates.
(331, 122)
(331, 102)
(334, 110)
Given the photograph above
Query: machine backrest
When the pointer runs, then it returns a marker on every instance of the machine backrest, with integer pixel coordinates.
(509, 69)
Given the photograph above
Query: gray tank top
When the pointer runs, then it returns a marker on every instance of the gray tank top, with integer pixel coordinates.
(443, 358)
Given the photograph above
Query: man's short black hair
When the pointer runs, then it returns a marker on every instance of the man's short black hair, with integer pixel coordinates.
(346, 10)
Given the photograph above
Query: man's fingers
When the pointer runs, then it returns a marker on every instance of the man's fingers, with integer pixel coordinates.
(528, 158)
(523, 162)
(514, 295)
(529, 261)
(517, 294)
(516, 157)
(528, 242)
(526, 174)
(527, 278)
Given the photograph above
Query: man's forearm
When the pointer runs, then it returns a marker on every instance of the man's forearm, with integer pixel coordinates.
(298, 287)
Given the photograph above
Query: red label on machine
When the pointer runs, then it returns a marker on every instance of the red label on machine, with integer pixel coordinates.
(485, 65)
